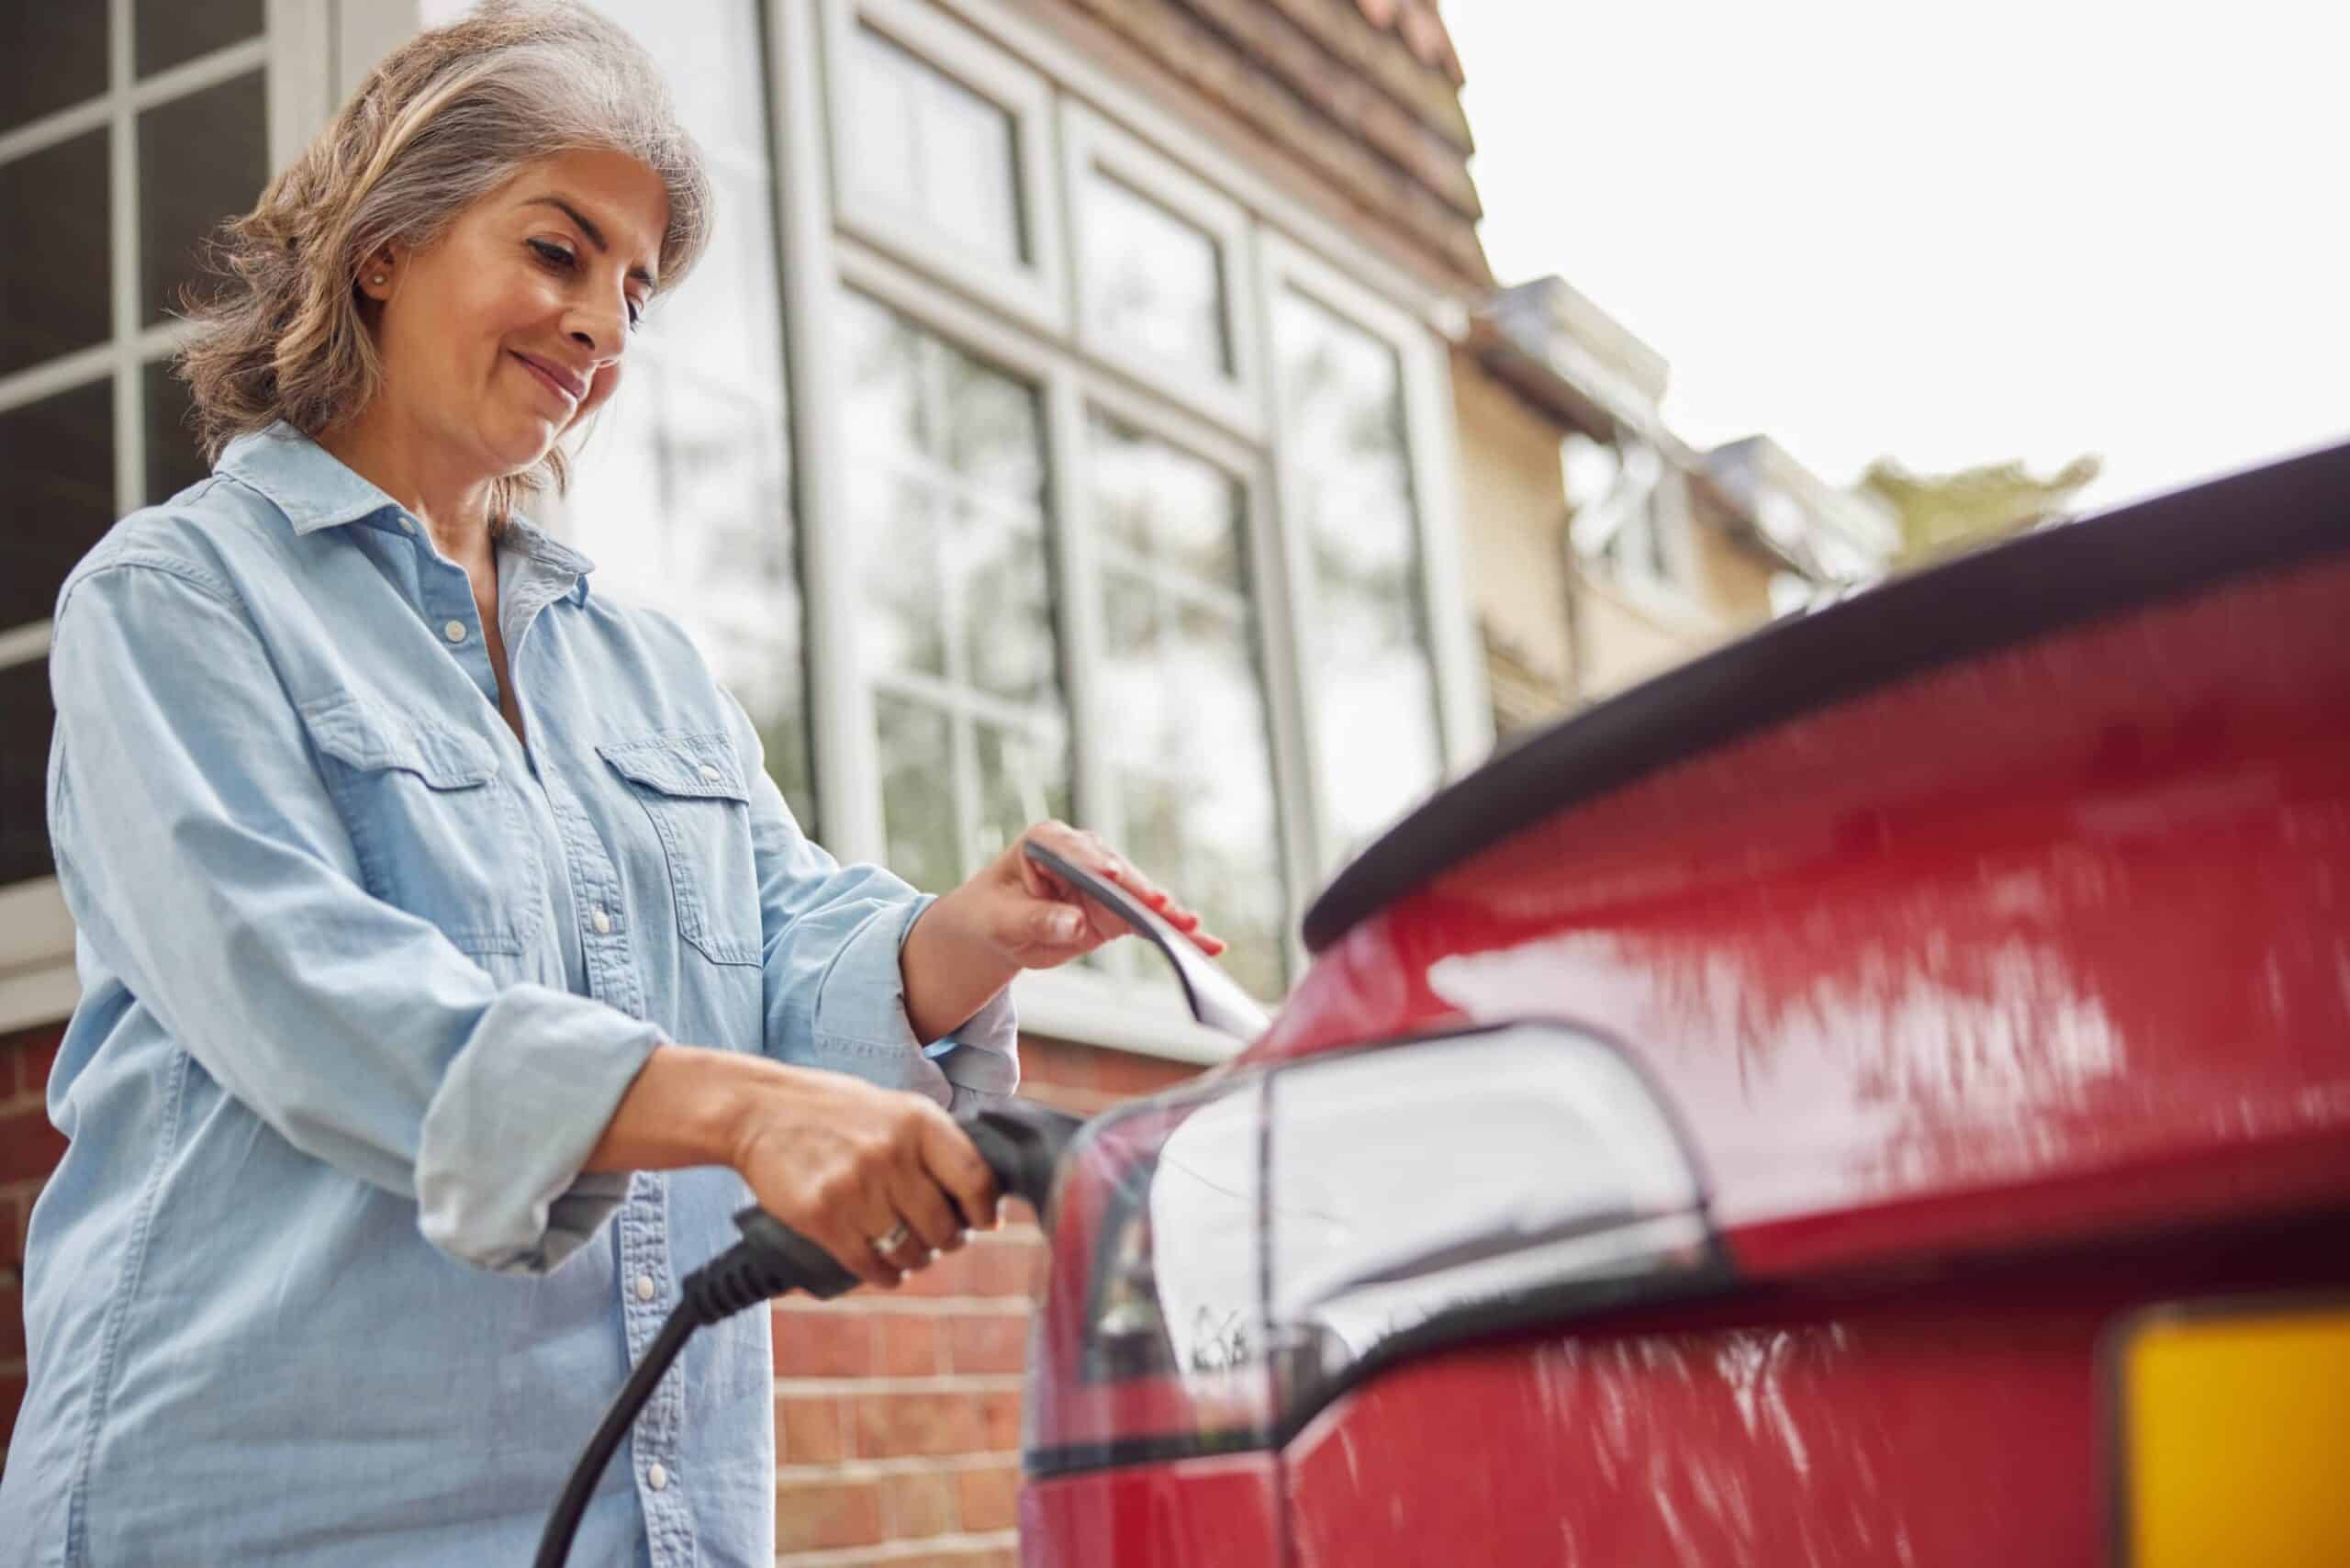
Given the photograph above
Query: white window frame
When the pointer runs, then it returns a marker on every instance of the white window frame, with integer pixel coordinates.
(1038, 291)
(295, 49)
(1069, 1002)
(1237, 400)
(1464, 711)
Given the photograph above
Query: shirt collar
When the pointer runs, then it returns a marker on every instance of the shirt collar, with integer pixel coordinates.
(316, 489)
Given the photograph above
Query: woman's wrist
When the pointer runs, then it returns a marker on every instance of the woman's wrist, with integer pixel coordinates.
(948, 968)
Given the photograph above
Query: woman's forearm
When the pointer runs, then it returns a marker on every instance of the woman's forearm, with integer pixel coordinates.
(685, 1108)
(948, 971)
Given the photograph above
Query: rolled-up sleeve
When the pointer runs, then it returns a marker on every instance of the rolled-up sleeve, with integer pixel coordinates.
(201, 854)
(835, 993)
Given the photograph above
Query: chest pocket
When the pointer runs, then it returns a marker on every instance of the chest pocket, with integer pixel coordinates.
(691, 789)
(437, 832)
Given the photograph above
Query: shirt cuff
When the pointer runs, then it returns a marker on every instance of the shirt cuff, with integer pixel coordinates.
(861, 1023)
(497, 1167)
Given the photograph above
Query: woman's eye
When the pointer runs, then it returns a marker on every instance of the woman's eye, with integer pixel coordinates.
(555, 255)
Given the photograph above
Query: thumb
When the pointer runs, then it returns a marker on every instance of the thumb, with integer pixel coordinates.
(1058, 924)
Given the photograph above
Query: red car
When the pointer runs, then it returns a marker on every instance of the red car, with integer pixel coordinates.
(1878, 1094)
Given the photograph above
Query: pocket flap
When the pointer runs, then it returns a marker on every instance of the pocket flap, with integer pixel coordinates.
(700, 767)
(362, 736)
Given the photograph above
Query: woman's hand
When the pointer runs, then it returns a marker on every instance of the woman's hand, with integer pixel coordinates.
(834, 1158)
(1040, 921)
(1013, 914)
(846, 1164)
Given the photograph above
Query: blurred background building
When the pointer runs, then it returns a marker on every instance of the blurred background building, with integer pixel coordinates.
(1092, 407)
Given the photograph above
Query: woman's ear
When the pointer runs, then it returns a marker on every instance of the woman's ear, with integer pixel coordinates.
(379, 272)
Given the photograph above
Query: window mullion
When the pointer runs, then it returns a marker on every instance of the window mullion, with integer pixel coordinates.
(845, 761)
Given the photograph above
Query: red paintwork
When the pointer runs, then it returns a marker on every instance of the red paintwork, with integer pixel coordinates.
(1223, 1511)
(1959, 1424)
(2044, 950)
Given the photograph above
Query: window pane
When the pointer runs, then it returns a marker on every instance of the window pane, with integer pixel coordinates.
(922, 142)
(918, 814)
(51, 57)
(1153, 282)
(712, 57)
(174, 461)
(27, 719)
(58, 456)
(1006, 613)
(53, 296)
(201, 159)
(169, 32)
(725, 319)
(946, 479)
(1374, 690)
(1021, 780)
(1182, 706)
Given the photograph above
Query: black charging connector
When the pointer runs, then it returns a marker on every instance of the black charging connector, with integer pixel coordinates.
(1022, 1143)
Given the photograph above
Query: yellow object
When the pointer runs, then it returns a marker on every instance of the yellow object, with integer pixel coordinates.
(2236, 1432)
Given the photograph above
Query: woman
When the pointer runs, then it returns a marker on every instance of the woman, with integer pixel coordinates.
(452, 969)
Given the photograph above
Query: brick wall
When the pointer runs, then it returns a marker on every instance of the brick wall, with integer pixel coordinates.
(29, 1149)
(896, 1414)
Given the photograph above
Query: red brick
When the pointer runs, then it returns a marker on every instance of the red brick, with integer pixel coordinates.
(917, 1504)
(1010, 1264)
(810, 1428)
(993, 1342)
(907, 1345)
(12, 1320)
(887, 1426)
(953, 1274)
(30, 1145)
(999, 1415)
(812, 1514)
(36, 1055)
(824, 1344)
(12, 1399)
(987, 1499)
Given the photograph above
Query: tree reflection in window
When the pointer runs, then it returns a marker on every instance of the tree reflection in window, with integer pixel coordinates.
(1366, 644)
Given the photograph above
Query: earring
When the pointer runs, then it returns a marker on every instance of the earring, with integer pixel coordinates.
(377, 279)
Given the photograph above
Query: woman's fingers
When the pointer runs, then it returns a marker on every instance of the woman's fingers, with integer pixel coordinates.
(952, 1160)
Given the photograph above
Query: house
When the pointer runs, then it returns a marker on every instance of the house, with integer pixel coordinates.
(1062, 423)
(1604, 548)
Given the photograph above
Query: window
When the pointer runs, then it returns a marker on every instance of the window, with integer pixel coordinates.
(1163, 270)
(120, 153)
(1183, 726)
(941, 154)
(947, 505)
(1351, 499)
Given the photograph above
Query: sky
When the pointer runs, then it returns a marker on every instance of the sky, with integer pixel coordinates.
(1949, 234)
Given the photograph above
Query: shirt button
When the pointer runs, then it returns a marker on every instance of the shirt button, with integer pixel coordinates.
(657, 1476)
(603, 921)
(709, 774)
(645, 1287)
(406, 527)
(454, 631)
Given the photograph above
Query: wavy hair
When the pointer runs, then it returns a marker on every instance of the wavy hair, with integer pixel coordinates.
(447, 117)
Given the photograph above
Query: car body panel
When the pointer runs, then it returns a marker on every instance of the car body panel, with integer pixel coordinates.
(2002, 991)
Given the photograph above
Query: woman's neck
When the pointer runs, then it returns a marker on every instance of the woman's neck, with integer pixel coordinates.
(401, 461)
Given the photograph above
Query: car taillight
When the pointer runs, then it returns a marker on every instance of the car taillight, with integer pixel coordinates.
(1152, 1326)
(1229, 1257)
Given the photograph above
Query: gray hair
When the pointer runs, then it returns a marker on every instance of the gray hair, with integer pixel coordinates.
(447, 117)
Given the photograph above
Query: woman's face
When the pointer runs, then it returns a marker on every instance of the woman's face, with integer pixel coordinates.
(511, 327)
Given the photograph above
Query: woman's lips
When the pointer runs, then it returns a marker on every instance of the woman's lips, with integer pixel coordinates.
(549, 382)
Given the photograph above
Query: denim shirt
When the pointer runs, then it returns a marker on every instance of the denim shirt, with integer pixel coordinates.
(319, 1278)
